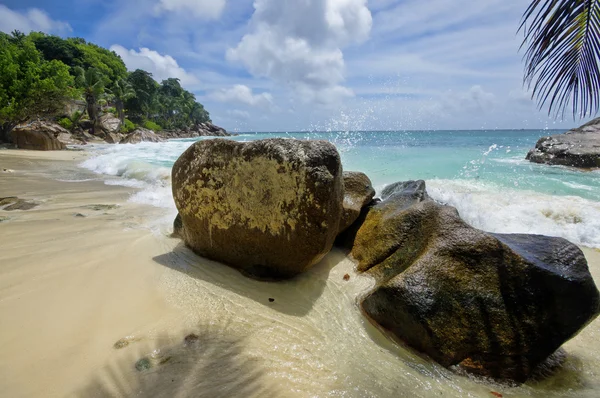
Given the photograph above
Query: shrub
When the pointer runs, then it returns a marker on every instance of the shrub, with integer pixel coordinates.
(66, 123)
(112, 110)
(152, 126)
(127, 126)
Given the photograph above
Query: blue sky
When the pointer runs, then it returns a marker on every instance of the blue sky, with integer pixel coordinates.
(277, 65)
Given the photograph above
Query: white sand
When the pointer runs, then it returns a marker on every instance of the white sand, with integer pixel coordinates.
(71, 286)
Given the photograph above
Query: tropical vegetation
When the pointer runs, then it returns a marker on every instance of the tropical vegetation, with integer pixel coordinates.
(562, 41)
(40, 74)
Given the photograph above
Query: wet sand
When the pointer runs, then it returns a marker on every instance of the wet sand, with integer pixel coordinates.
(86, 268)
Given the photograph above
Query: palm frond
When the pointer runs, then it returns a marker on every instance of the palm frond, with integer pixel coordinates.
(562, 38)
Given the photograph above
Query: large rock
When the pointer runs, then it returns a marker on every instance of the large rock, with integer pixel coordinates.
(497, 305)
(141, 135)
(200, 130)
(270, 208)
(358, 192)
(40, 136)
(114, 138)
(109, 123)
(579, 147)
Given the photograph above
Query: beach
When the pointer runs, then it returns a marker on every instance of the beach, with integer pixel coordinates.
(85, 269)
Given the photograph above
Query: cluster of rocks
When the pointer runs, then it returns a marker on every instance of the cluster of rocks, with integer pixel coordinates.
(579, 147)
(495, 305)
(48, 136)
(199, 130)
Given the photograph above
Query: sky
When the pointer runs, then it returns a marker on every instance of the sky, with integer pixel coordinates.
(290, 65)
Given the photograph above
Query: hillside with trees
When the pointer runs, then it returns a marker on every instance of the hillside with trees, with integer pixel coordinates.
(40, 75)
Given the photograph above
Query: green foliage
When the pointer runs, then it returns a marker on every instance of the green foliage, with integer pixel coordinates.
(76, 52)
(30, 86)
(128, 126)
(152, 126)
(112, 110)
(66, 123)
(50, 69)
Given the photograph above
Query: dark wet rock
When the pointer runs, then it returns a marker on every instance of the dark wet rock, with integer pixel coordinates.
(358, 192)
(345, 240)
(100, 207)
(143, 364)
(79, 215)
(270, 208)
(191, 339)
(39, 136)
(13, 203)
(347, 277)
(178, 227)
(496, 305)
(124, 342)
(579, 147)
(141, 135)
(271, 300)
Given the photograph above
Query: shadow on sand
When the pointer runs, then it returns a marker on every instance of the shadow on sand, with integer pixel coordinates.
(203, 364)
(292, 297)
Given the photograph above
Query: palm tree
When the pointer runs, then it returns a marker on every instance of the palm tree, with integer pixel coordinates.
(92, 83)
(120, 92)
(562, 38)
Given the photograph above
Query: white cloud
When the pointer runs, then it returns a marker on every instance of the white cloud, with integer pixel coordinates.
(203, 9)
(299, 44)
(33, 19)
(243, 94)
(161, 66)
(475, 100)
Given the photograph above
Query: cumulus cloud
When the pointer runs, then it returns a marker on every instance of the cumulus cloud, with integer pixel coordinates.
(32, 19)
(300, 44)
(244, 95)
(161, 66)
(203, 9)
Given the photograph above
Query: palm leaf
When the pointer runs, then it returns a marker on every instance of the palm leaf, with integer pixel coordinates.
(562, 38)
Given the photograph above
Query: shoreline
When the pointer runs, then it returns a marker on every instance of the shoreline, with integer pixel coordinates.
(83, 270)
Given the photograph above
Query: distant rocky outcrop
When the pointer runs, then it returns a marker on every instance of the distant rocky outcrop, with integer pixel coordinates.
(579, 147)
(497, 305)
(141, 134)
(200, 130)
(270, 208)
(42, 136)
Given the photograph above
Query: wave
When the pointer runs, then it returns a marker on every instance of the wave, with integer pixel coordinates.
(483, 204)
(501, 210)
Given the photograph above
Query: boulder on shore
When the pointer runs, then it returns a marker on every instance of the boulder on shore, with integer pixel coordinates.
(579, 147)
(109, 123)
(358, 192)
(40, 136)
(496, 305)
(269, 208)
(141, 135)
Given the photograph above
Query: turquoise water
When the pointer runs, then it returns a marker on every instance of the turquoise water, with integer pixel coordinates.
(483, 174)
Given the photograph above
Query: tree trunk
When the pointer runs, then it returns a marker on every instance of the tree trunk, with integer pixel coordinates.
(120, 112)
(92, 111)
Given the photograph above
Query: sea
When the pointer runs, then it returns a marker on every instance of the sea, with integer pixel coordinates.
(482, 173)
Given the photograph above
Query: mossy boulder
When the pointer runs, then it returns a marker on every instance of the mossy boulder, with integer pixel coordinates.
(270, 208)
(358, 192)
(497, 305)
